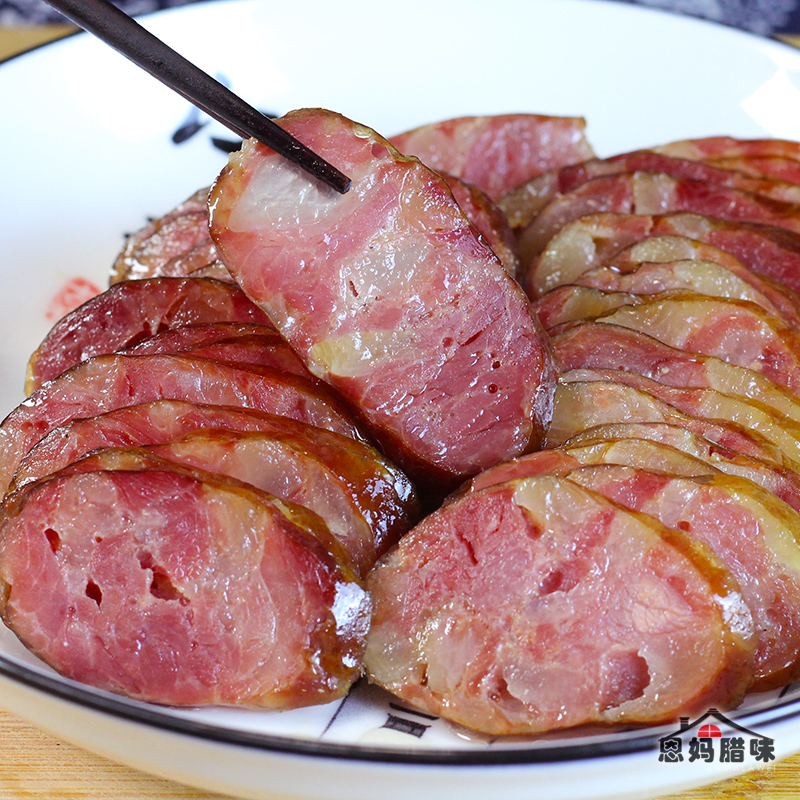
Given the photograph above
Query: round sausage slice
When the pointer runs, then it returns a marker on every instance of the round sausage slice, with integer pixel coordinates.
(220, 438)
(131, 311)
(781, 481)
(388, 294)
(755, 535)
(181, 589)
(114, 381)
(537, 604)
(349, 490)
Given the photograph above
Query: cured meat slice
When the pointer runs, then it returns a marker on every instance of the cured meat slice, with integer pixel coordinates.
(695, 275)
(670, 247)
(779, 167)
(652, 193)
(596, 239)
(383, 495)
(339, 483)
(782, 482)
(713, 147)
(641, 453)
(171, 246)
(733, 330)
(638, 265)
(178, 588)
(488, 219)
(104, 383)
(180, 244)
(254, 349)
(754, 534)
(243, 344)
(573, 303)
(709, 404)
(118, 459)
(282, 468)
(581, 405)
(497, 153)
(131, 311)
(175, 340)
(673, 247)
(526, 201)
(146, 423)
(537, 604)
(591, 241)
(398, 305)
(589, 345)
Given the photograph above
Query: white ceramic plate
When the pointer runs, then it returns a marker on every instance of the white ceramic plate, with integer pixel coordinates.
(87, 152)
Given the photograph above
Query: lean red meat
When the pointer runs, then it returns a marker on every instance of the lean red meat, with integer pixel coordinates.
(396, 303)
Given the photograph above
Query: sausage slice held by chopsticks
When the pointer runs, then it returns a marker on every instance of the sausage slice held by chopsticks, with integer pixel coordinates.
(387, 294)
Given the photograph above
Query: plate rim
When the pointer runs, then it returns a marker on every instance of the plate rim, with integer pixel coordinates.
(155, 716)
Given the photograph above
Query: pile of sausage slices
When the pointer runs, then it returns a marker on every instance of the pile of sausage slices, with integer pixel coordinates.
(510, 429)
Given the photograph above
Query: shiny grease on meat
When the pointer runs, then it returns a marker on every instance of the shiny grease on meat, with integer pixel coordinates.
(536, 605)
(179, 588)
(387, 294)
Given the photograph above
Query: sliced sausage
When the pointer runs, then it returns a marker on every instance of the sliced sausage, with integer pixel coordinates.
(595, 239)
(755, 535)
(671, 247)
(311, 466)
(398, 305)
(347, 487)
(692, 275)
(537, 604)
(573, 303)
(113, 381)
(653, 193)
(180, 339)
(489, 221)
(131, 311)
(170, 246)
(580, 405)
(713, 147)
(784, 483)
(779, 167)
(592, 345)
(154, 422)
(708, 404)
(576, 453)
(497, 153)
(253, 344)
(524, 203)
(181, 589)
(735, 331)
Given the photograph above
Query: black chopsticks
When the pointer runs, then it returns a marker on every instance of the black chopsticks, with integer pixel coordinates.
(126, 36)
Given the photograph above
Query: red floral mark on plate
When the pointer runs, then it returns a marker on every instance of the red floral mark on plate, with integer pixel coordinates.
(73, 293)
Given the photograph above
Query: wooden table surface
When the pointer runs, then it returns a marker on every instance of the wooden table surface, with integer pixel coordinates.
(35, 766)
